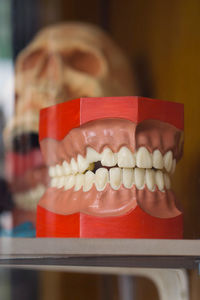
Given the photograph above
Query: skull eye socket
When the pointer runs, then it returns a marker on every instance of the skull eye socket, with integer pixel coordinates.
(32, 59)
(84, 61)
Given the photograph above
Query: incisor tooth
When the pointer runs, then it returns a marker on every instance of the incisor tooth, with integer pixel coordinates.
(79, 181)
(173, 166)
(101, 178)
(139, 178)
(88, 181)
(61, 182)
(66, 168)
(108, 158)
(92, 155)
(168, 157)
(82, 163)
(54, 182)
(157, 159)
(150, 179)
(115, 175)
(128, 178)
(159, 180)
(126, 158)
(52, 171)
(59, 170)
(143, 158)
(70, 182)
(167, 181)
(74, 166)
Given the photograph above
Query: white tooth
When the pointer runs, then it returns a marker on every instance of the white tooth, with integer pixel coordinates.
(139, 178)
(157, 159)
(108, 158)
(66, 168)
(83, 164)
(61, 182)
(54, 182)
(88, 181)
(101, 178)
(143, 158)
(115, 178)
(128, 178)
(173, 166)
(92, 155)
(74, 166)
(159, 180)
(52, 171)
(69, 182)
(79, 181)
(167, 181)
(150, 180)
(126, 158)
(59, 170)
(168, 157)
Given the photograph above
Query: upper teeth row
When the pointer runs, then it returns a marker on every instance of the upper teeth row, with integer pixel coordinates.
(115, 177)
(124, 159)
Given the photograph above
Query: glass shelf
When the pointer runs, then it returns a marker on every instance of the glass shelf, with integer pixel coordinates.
(98, 253)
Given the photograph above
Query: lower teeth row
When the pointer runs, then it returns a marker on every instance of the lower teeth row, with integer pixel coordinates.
(115, 177)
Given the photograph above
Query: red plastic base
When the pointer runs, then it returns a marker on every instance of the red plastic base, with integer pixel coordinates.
(136, 224)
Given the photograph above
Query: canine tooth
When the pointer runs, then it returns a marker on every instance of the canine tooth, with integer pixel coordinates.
(157, 159)
(108, 158)
(139, 178)
(126, 158)
(143, 158)
(168, 157)
(115, 175)
(101, 178)
(61, 182)
(66, 168)
(150, 179)
(59, 170)
(79, 181)
(167, 181)
(128, 178)
(82, 164)
(88, 181)
(92, 155)
(173, 166)
(74, 166)
(52, 171)
(159, 180)
(54, 182)
(70, 182)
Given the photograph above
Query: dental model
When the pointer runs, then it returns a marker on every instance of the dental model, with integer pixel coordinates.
(110, 162)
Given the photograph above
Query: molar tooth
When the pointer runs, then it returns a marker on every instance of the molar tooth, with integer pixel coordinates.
(108, 158)
(101, 178)
(157, 159)
(143, 158)
(159, 180)
(168, 157)
(128, 178)
(167, 181)
(61, 182)
(82, 163)
(79, 181)
(69, 182)
(173, 166)
(139, 178)
(74, 166)
(52, 171)
(59, 170)
(66, 168)
(88, 181)
(115, 175)
(126, 158)
(150, 179)
(92, 155)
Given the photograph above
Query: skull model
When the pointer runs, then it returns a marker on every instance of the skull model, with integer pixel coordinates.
(63, 61)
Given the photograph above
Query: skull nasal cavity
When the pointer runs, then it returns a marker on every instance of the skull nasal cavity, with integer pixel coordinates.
(32, 59)
(85, 62)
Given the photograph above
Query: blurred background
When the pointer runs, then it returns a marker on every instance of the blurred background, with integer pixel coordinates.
(161, 39)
